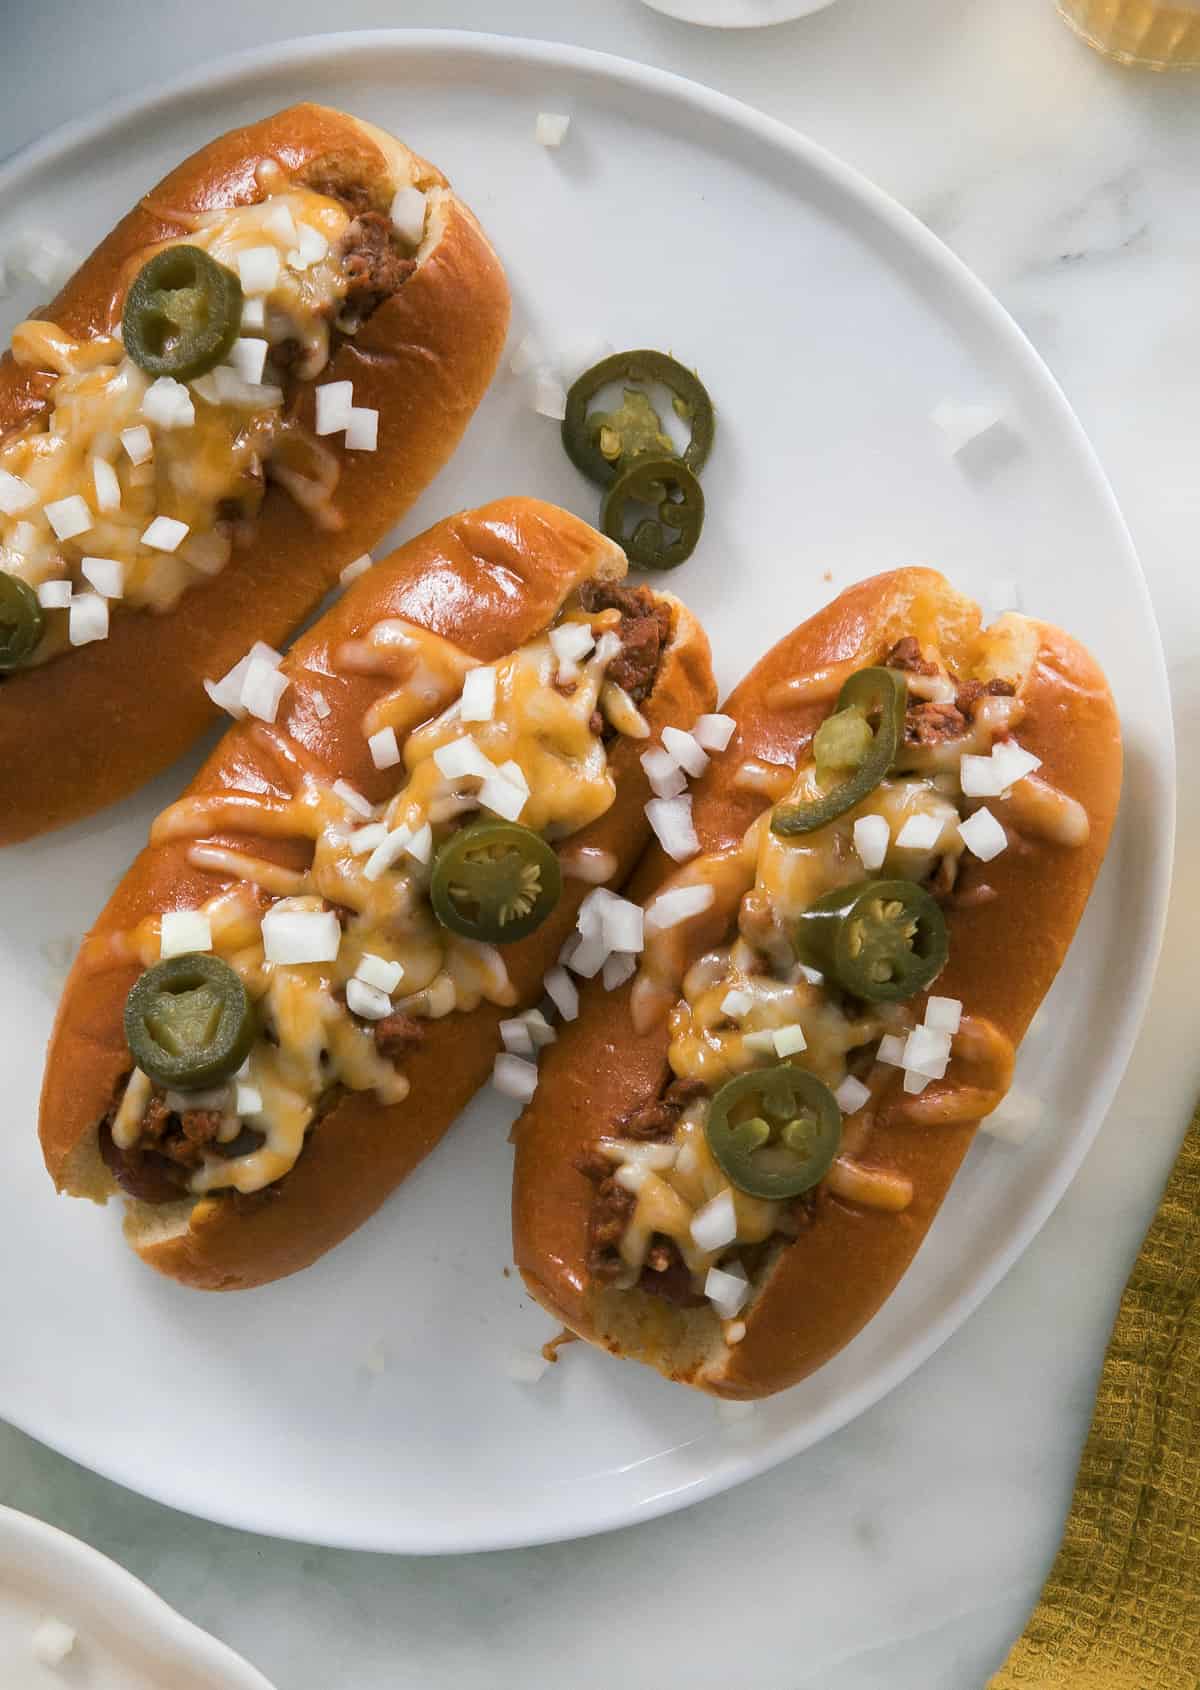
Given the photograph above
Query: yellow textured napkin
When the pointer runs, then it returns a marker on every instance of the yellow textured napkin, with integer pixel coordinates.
(1121, 1608)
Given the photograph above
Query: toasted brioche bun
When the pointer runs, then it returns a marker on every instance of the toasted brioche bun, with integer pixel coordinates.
(106, 717)
(817, 1292)
(489, 580)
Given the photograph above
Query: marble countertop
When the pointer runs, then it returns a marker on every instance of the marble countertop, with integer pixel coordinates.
(907, 1550)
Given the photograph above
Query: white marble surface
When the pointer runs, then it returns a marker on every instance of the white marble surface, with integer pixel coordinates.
(906, 1551)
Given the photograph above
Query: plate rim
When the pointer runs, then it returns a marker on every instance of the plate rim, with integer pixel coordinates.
(333, 48)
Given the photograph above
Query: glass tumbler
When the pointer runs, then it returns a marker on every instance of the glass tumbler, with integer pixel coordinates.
(1161, 34)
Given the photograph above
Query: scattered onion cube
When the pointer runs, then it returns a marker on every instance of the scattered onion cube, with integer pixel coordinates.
(852, 1095)
(540, 1030)
(247, 1100)
(667, 779)
(980, 777)
(107, 486)
(352, 798)
(390, 849)
(687, 752)
(586, 957)
(87, 618)
(165, 534)
(384, 748)
(321, 705)
(527, 355)
(1013, 763)
(944, 1015)
(254, 314)
(789, 1040)
(762, 1042)
(671, 820)
(461, 758)
(618, 968)
(562, 992)
(927, 1052)
(571, 641)
(516, 1037)
(262, 690)
(377, 971)
(54, 595)
(362, 431)
(812, 975)
(512, 771)
(737, 1003)
(961, 424)
(139, 447)
(680, 903)
(408, 214)
(478, 701)
(503, 797)
(915, 1083)
(168, 403)
(334, 403)
(184, 931)
(16, 495)
(52, 1642)
(526, 1367)
(1017, 1119)
(515, 1077)
(353, 570)
(715, 1225)
(713, 733)
(292, 936)
(983, 835)
(258, 268)
(364, 839)
(249, 357)
(919, 833)
(549, 396)
(872, 836)
(69, 517)
(420, 846)
(366, 1000)
(622, 925)
(106, 574)
(310, 248)
(551, 128)
(278, 221)
(727, 1291)
(891, 1050)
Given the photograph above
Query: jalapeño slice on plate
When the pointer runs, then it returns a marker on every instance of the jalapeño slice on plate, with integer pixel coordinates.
(858, 743)
(182, 313)
(496, 881)
(881, 940)
(603, 444)
(188, 1022)
(668, 537)
(21, 622)
(774, 1131)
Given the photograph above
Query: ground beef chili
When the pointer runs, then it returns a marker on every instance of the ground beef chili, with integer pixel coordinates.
(906, 654)
(396, 1035)
(374, 265)
(667, 1275)
(644, 630)
(609, 1217)
(658, 1118)
(355, 196)
(970, 692)
(932, 724)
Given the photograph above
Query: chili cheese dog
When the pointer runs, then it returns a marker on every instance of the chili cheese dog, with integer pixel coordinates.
(334, 314)
(729, 1163)
(459, 734)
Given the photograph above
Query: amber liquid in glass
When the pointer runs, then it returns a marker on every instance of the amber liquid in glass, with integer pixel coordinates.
(1164, 34)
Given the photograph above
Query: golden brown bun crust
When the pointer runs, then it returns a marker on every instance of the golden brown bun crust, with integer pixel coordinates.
(1003, 957)
(489, 580)
(106, 717)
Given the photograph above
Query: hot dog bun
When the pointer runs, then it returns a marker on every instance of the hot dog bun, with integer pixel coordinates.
(107, 716)
(487, 580)
(814, 1293)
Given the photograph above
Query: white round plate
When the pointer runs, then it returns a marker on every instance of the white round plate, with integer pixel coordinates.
(127, 1638)
(366, 1402)
(736, 14)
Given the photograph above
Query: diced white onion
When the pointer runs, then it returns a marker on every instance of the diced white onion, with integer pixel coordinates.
(69, 517)
(408, 214)
(278, 221)
(364, 839)
(184, 931)
(515, 1077)
(87, 618)
(713, 732)
(420, 845)
(52, 1642)
(16, 495)
(526, 356)
(248, 356)
(551, 128)
(210, 1097)
(138, 444)
(725, 1291)
(681, 903)
(478, 701)
(247, 1100)
(687, 1160)
(788, 1040)
(812, 975)
(44, 258)
(927, 1052)
(254, 314)
(321, 705)
(851, 1095)
(353, 570)
(387, 852)
(632, 1176)
(502, 797)
(586, 957)
(516, 1037)
(377, 971)
(622, 925)
(1017, 1119)
(944, 1015)
(258, 268)
(737, 1003)
(352, 798)
(891, 1050)
(168, 404)
(513, 772)
(979, 777)
(644, 1154)
(715, 1225)
(366, 1000)
(589, 920)
(460, 758)
(54, 595)
(165, 534)
(562, 992)
(106, 485)
(299, 936)
(915, 1083)
(310, 248)
(983, 835)
(762, 1042)
(671, 820)
(362, 431)
(961, 424)
(226, 693)
(1013, 762)
(230, 389)
(571, 640)
(540, 1030)
(106, 574)
(919, 833)
(526, 1367)
(334, 402)
(549, 396)
(618, 968)
(687, 751)
(667, 779)
(262, 690)
(872, 836)
(384, 748)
